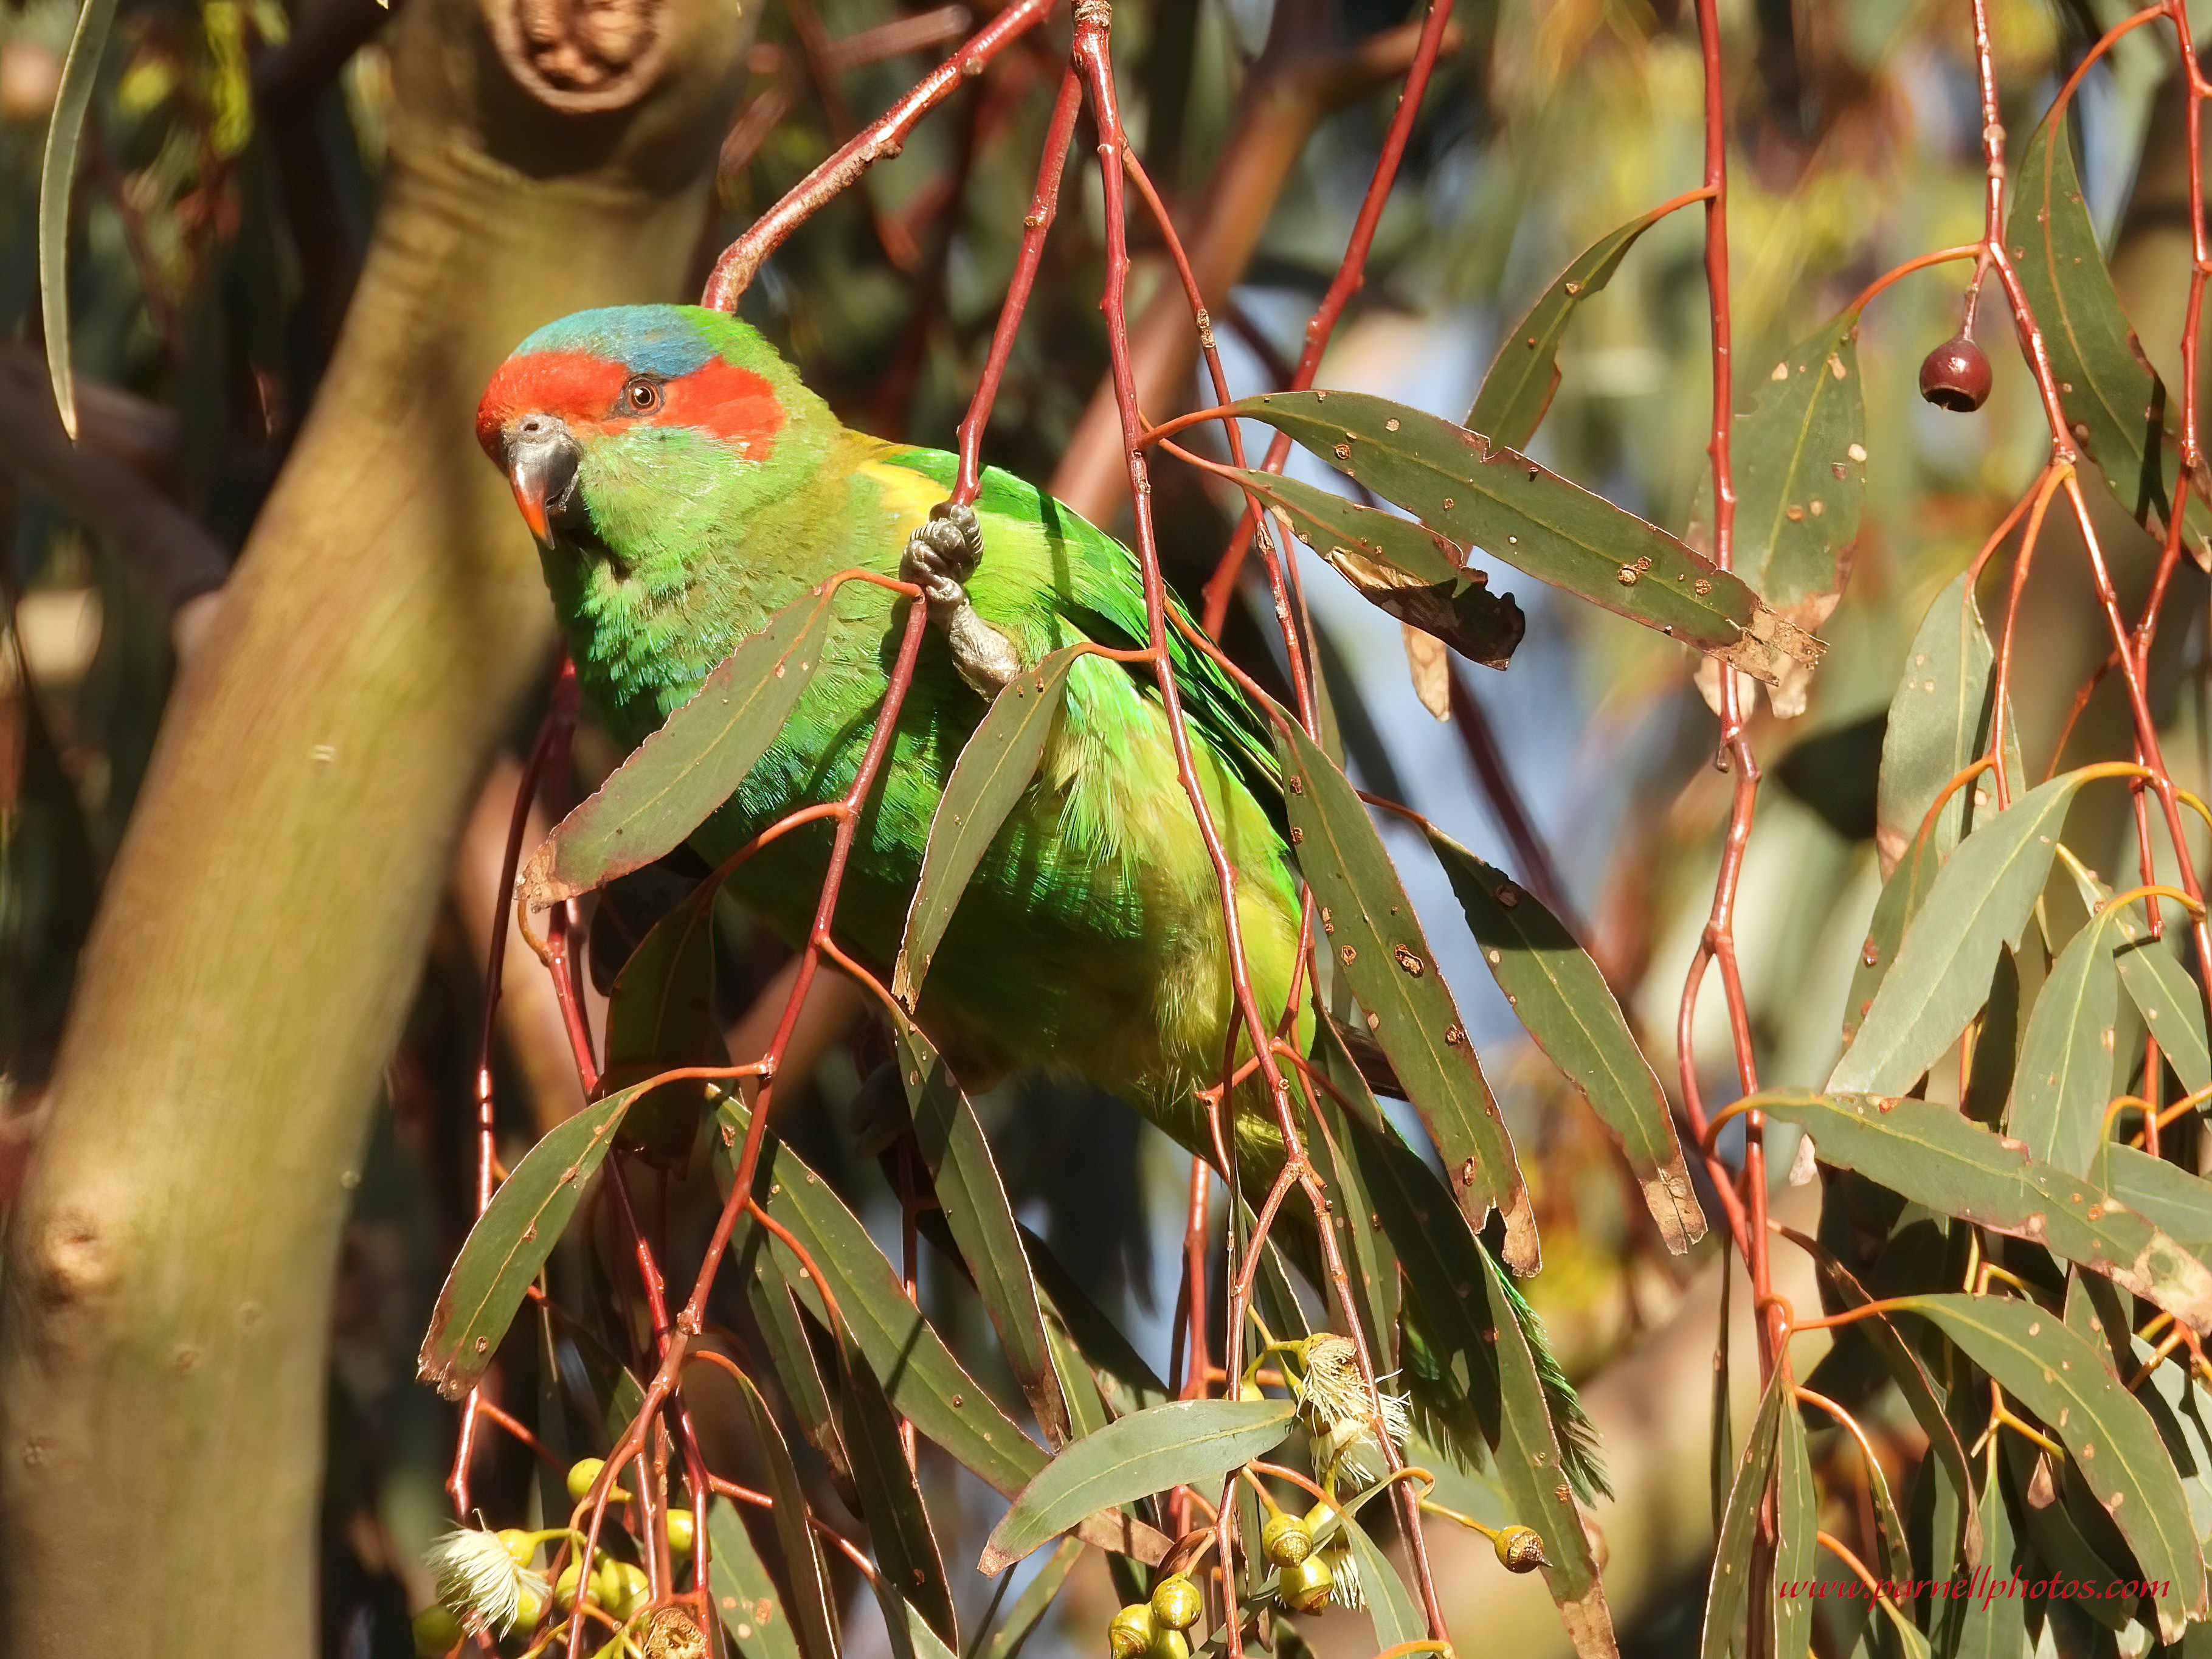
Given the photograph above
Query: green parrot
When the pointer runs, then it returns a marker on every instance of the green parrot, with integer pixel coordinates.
(683, 485)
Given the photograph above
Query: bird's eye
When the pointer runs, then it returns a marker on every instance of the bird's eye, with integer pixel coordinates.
(642, 395)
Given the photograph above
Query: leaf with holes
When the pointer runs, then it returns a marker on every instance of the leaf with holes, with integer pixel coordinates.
(1801, 483)
(1800, 463)
(1486, 496)
(1569, 1009)
(1939, 719)
(1727, 1596)
(1518, 388)
(1894, 906)
(676, 779)
(2118, 409)
(2167, 1195)
(2062, 1081)
(1191, 1443)
(993, 770)
(751, 1606)
(2160, 987)
(1797, 1522)
(2068, 1381)
(1928, 1153)
(1369, 928)
(973, 1199)
(1980, 899)
(1417, 576)
(510, 1242)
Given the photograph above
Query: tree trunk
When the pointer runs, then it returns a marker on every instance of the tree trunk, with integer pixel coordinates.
(167, 1277)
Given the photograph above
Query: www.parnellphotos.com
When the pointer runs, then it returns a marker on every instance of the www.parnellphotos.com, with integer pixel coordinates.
(1985, 1585)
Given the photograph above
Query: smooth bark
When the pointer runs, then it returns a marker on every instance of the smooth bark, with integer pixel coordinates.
(165, 1308)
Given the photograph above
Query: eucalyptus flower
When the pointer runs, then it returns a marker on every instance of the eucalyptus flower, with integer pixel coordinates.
(1341, 1412)
(479, 1580)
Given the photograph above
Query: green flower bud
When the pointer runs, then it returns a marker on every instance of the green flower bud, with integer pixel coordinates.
(529, 1605)
(624, 1589)
(682, 1532)
(1130, 1632)
(564, 1588)
(1168, 1645)
(582, 1473)
(1285, 1540)
(1176, 1603)
(1305, 1588)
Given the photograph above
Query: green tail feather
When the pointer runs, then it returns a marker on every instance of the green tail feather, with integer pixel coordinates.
(1446, 1417)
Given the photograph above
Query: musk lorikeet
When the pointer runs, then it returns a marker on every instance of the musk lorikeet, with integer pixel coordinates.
(683, 485)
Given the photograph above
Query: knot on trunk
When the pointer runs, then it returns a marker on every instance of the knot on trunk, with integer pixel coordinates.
(579, 56)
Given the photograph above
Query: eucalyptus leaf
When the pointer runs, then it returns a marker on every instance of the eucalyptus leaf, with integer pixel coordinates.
(1570, 1010)
(1727, 1596)
(501, 1255)
(2060, 1084)
(2067, 1382)
(994, 769)
(1797, 1549)
(750, 1605)
(680, 775)
(1941, 719)
(1368, 930)
(1518, 387)
(973, 1198)
(1413, 574)
(56, 178)
(1931, 1155)
(2117, 409)
(899, 1531)
(1980, 901)
(1483, 494)
(1182, 1442)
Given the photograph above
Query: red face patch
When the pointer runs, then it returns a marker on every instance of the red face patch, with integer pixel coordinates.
(591, 395)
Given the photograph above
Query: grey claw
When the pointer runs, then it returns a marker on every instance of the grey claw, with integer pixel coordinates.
(940, 556)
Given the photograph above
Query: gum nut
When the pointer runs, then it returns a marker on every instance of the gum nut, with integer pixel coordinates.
(521, 1547)
(1168, 1645)
(581, 1474)
(1285, 1540)
(1176, 1603)
(564, 1587)
(1131, 1632)
(1305, 1588)
(1520, 1549)
(681, 1531)
(1955, 375)
(436, 1631)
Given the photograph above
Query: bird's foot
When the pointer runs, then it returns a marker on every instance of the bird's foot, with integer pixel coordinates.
(940, 556)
